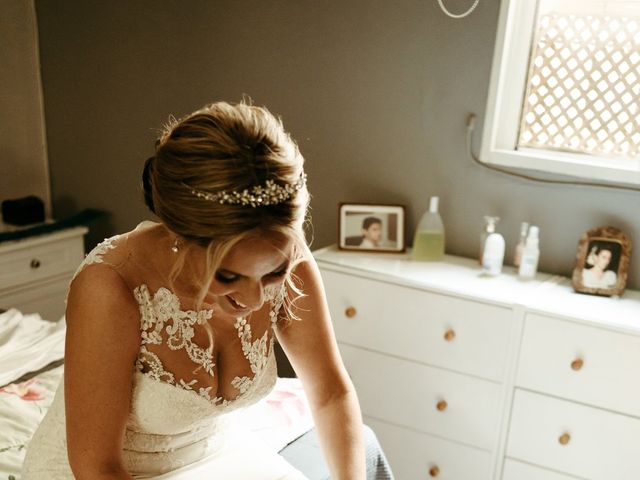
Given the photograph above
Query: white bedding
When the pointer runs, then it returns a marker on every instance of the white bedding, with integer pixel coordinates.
(28, 343)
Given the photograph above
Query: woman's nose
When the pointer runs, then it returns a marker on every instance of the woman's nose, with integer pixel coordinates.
(253, 295)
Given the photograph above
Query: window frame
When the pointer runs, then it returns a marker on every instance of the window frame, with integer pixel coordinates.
(504, 108)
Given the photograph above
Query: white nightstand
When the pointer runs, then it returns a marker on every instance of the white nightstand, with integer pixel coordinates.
(35, 272)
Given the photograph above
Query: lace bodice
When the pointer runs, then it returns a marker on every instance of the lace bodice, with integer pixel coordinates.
(164, 324)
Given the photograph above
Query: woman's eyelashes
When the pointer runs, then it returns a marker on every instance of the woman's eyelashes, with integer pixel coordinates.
(227, 277)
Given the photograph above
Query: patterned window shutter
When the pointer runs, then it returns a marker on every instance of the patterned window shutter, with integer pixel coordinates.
(583, 86)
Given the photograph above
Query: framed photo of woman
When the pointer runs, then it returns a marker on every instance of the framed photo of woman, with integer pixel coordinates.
(602, 262)
(372, 228)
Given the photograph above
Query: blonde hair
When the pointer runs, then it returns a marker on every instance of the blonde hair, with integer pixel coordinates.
(230, 147)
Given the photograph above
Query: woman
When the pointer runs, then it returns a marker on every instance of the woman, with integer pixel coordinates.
(172, 325)
(598, 276)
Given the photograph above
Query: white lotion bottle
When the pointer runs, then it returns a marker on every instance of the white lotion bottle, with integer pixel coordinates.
(524, 228)
(493, 253)
(530, 255)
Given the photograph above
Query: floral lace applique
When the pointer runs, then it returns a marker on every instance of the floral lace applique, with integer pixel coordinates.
(95, 255)
(161, 312)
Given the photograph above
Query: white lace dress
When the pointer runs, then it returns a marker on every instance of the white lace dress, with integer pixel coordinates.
(176, 429)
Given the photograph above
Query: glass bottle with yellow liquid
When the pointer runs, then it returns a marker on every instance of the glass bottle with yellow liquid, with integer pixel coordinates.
(428, 242)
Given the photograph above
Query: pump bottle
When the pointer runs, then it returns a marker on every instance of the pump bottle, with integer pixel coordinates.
(493, 252)
(428, 242)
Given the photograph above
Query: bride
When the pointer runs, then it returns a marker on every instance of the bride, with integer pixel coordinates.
(172, 325)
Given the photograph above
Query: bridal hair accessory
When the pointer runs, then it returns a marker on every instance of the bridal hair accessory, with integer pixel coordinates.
(271, 193)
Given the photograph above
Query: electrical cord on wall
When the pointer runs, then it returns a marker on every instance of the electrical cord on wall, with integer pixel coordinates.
(471, 124)
(462, 15)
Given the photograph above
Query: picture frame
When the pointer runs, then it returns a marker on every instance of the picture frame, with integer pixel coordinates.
(371, 227)
(602, 262)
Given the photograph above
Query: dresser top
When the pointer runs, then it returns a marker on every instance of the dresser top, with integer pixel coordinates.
(454, 275)
(546, 294)
(558, 298)
(27, 242)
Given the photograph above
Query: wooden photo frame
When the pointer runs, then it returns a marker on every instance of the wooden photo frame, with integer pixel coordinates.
(602, 262)
(371, 228)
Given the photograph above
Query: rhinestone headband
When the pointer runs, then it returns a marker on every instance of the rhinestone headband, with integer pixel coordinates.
(270, 193)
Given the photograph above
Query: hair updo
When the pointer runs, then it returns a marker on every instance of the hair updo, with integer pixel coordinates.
(231, 148)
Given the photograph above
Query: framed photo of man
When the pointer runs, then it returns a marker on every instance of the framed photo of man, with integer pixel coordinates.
(602, 262)
(372, 228)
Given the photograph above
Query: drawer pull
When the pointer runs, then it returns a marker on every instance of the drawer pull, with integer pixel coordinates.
(35, 263)
(449, 335)
(564, 438)
(350, 312)
(441, 406)
(434, 471)
(577, 364)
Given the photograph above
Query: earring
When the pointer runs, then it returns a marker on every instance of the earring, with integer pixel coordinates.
(174, 247)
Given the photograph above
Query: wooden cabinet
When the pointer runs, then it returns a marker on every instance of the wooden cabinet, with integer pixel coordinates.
(35, 271)
(467, 377)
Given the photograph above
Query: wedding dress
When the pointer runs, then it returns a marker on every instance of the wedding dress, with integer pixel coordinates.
(176, 428)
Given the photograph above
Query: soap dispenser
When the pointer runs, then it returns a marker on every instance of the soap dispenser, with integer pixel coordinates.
(428, 242)
(493, 252)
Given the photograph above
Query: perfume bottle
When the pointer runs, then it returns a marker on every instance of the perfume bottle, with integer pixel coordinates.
(524, 228)
(530, 255)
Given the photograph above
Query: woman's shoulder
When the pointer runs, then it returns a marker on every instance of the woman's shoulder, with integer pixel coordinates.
(115, 250)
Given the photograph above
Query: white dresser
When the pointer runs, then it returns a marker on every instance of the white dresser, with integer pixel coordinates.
(465, 377)
(35, 271)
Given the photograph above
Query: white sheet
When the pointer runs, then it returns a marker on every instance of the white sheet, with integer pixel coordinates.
(28, 343)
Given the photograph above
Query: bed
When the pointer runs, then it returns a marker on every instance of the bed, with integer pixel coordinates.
(31, 366)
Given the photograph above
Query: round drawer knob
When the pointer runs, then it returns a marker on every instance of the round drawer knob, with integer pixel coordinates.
(35, 263)
(564, 438)
(441, 406)
(434, 471)
(449, 335)
(577, 364)
(350, 312)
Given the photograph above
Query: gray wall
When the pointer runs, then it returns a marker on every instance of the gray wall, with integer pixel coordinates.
(376, 93)
(23, 155)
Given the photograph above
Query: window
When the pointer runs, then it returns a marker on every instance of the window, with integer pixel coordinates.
(565, 89)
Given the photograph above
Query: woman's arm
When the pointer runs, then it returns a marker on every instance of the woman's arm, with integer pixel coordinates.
(313, 352)
(103, 337)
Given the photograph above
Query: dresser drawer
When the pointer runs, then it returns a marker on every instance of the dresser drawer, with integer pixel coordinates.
(46, 299)
(428, 399)
(415, 456)
(31, 261)
(582, 363)
(440, 330)
(575, 439)
(514, 470)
